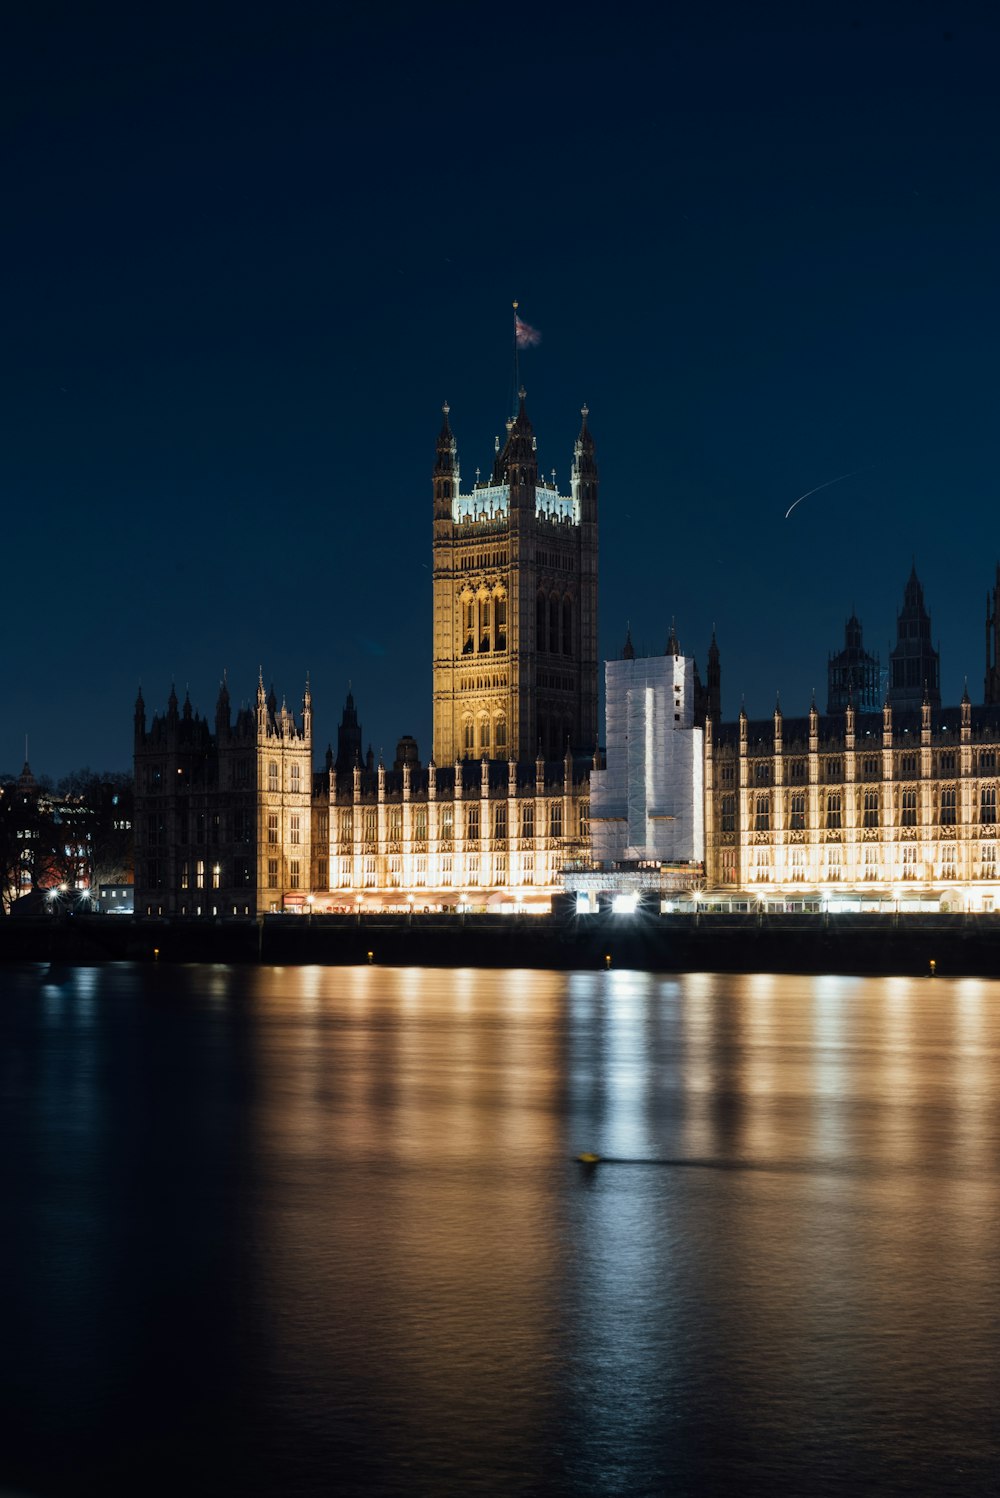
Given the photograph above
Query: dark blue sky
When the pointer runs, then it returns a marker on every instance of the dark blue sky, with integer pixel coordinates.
(248, 253)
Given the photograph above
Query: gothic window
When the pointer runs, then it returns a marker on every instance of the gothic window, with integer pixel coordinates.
(295, 773)
(567, 626)
(553, 626)
(833, 812)
(988, 804)
(798, 769)
(199, 874)
(347, 826)
(948, 806)
(541, 616)
(947, 860)
(729, 814)
(909, 860)
(908, 766)
(468, 625)
(469, 735)
(989, 858)
(528, 819)
(272, 776)
(420, 824)
(870, 813)
(987, 759)
(295, 835)
(584, 819)
(484, 625)
(762, 773)
(728, 775)
(870, 767)
(501, 733)
(395, 823)
(762, 813)
(908, 816)
(500, 819)
(472, 822)
(500, 607)
(834, 770)
(216, 876)
(798, 809)
(293, 874)
(184, 875)
(272, 827)
(448, 822)
(946, 762)
(555, 819)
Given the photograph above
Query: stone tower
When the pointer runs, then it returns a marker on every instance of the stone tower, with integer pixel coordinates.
(914, 663)
(853, 674)
(515, 604)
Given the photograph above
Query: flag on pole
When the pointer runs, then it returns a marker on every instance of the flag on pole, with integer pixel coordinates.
(525, 336)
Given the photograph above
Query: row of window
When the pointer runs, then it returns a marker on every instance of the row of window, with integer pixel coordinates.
(474, 873)
(869, 767)
(870, 865)
(869, 806)
(473, 821)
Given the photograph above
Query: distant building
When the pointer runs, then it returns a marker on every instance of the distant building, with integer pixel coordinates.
(854, 675)
(914, 664)
(223, 819)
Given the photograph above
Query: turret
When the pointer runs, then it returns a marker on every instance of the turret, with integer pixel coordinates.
(140, 719)
(222, 710)
(713, 682)
(348, 737)
(584, 471)
(446, 473)
(517, 462)
(307, 712)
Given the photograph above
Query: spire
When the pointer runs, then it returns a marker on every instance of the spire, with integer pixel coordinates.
(628, 650)
(172, 704)
(673, 644)
(517, 462)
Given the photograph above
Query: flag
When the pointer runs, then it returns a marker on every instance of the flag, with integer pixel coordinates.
(524, 335)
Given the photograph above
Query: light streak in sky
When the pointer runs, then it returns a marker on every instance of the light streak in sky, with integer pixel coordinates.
(839, 479)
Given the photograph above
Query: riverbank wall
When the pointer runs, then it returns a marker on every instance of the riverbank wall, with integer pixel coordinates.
(905, 944)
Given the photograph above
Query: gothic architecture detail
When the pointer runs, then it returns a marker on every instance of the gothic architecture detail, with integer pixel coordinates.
(854, 675)
(914, 663)
(223, 816)
(884, 805)
(515, 603)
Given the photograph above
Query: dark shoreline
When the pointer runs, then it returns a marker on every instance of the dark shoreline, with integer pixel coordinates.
(905, 945)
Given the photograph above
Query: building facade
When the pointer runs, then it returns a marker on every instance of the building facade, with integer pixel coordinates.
(223, 817)
(515, 604)
(890, 806)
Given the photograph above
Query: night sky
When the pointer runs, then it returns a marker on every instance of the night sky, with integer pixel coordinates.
(249, 252)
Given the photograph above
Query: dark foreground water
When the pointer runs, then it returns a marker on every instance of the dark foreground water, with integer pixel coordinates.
(322, 1231)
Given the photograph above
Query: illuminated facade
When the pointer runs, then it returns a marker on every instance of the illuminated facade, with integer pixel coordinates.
(515, 604)
(895, 806)
(223, 819)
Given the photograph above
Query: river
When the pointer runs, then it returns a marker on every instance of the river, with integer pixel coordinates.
(324, 1230)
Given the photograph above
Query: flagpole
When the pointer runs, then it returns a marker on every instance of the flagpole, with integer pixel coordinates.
(513, 403)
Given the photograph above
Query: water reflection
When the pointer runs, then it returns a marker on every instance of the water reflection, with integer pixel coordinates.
(294, 1229)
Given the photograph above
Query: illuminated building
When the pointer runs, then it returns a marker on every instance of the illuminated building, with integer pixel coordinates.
(875, 808)
(223, 819)
(515, 604)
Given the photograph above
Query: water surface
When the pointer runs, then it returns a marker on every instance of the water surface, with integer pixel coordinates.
(318, 1230)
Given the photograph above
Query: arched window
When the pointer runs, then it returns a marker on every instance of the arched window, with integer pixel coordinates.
(567, 626)
(468, 625)
(501, 621)
(484, 735)
(988, 804)
(554, 626)
(540, 622)
(272, 776)
(485, 642)
(501, 733)
(469, 736)
(295, 779)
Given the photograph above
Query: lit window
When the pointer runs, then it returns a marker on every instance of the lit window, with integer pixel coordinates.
(216, 875)
(295, 833)
(272, 827)
(272, 776)
(272, 874)
(199, 873)
(293, 873)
